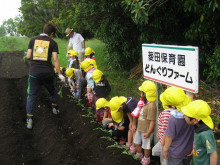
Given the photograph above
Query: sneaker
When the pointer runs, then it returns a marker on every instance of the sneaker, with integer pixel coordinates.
(132, 150)
(29, 123)
(56, 111)
(139, 156)
(145, 161)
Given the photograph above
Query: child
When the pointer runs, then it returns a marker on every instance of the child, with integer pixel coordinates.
(101, 90)
(90, 54)
(102, 105)
(74, 62)
(179, 135)
(89, 95)
(68, 57)
(120, 121)
(88, 69)
(74, 79)
(162, 126)
(204, 151)
(146, 122)
(125, 105)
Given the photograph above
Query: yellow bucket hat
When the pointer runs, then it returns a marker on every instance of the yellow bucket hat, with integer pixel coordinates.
(117, 116)
(174, 96)
(73, 53)
(150, 90)
(97, 75)
(69, 72)
(116, 102)
(101, 103)
(85, 65)
(93, 63)
(88, 51)
(199, 109)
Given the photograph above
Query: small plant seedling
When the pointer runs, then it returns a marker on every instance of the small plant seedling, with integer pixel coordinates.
(104, 130)
(60, 93)
(107, 138)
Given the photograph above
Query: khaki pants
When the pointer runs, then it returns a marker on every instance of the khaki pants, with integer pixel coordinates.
(80, 57)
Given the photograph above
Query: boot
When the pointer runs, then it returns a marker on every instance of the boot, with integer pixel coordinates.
(55, 109)
(29, 122)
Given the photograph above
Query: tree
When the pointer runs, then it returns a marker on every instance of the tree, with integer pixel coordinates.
(124, 25)
(9, 27)
(2, 31)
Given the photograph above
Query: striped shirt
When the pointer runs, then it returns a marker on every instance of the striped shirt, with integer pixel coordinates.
(163, 123)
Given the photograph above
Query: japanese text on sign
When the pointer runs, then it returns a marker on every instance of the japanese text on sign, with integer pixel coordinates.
(171, 65)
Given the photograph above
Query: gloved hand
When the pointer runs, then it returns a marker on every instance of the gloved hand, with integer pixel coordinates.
(69, 80)
(61, 77)
(83, 50)
(24, 58)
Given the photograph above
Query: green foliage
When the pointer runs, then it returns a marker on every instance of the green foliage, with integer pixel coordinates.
(2, 31)
(9, 27)
(124, 25)
(213, 71)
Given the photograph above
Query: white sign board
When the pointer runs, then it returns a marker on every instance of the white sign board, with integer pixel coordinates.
(172, 65)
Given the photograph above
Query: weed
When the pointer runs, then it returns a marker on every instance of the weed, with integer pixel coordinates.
(89, 114)
(93, 121)
(104, 130)
(60, 93)
(107, 138)
(116, 145)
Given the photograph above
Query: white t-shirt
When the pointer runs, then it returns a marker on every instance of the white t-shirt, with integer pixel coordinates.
(76, 42)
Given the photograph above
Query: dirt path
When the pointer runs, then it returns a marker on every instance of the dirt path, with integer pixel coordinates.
(55, 140)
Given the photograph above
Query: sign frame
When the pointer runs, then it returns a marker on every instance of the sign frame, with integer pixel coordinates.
(191, 65)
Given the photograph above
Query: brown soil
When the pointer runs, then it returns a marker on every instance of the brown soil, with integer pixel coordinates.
(67, 138)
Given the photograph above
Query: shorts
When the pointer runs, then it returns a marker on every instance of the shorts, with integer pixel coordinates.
(180, 161)
(157, 151)
(144, 142)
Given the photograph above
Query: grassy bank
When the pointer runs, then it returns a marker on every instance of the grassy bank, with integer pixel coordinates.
(121, 85)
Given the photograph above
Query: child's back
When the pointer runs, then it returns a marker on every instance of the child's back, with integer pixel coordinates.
(182, 135)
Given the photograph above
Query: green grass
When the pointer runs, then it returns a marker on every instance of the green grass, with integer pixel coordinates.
(121, 85)
(13, 43)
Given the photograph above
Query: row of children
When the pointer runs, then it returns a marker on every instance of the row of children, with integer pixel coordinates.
(184, 127)
(86, 76)
(133, 121)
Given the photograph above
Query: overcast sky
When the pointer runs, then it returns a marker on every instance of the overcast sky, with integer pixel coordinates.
(9, 9)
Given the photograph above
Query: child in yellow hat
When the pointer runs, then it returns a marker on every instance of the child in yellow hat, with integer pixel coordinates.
(90, 54)
(120, 120)
(146, 122)
(73, 61)
(88, 70)
(204, 149)
(75, 79)
(103, 105)
(101, 89)
(178, 138)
